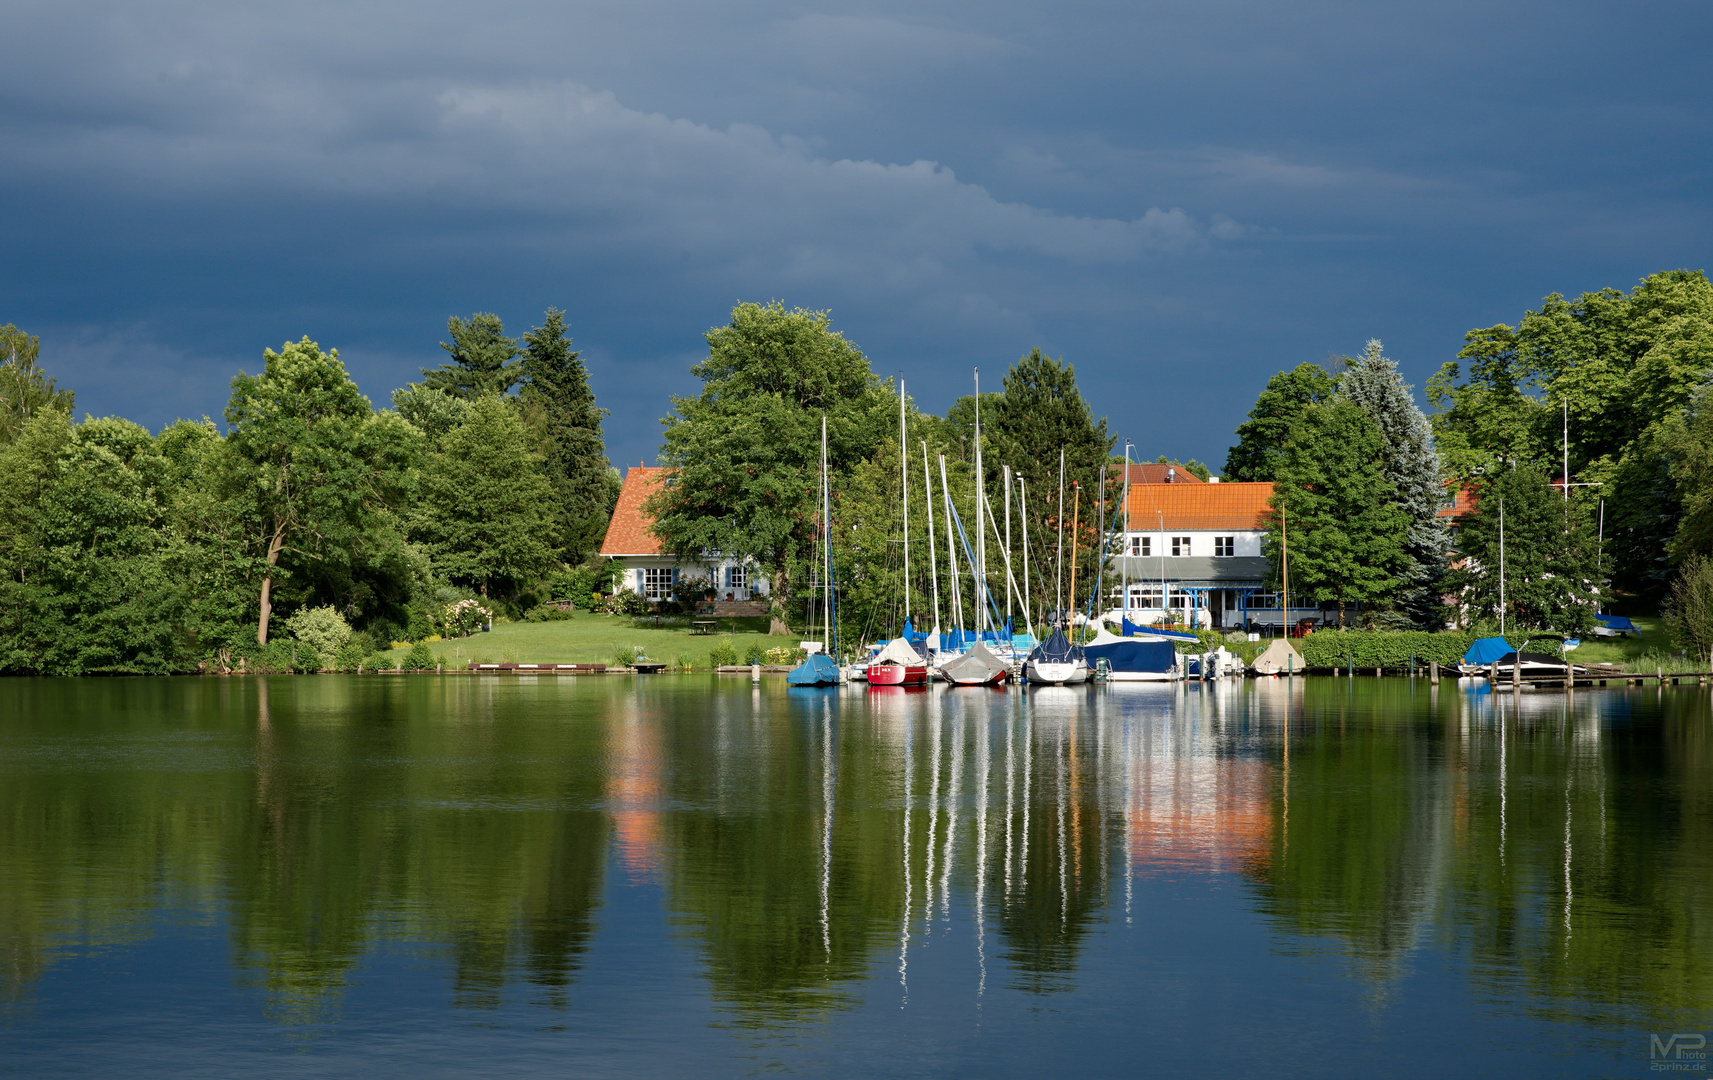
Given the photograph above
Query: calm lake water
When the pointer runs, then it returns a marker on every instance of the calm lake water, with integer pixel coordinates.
(683, 875)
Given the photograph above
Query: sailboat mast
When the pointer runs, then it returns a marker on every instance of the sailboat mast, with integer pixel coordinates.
(904, 489)
(827, 533)
(1105, 539)
(1028, 597)
(933, 571)
(1076, 524)
(980, 535)
(952, 555)
(1007, 475)
(1059, 563)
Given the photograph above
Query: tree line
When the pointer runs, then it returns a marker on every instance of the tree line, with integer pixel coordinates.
(1587, 427)
(123, 550)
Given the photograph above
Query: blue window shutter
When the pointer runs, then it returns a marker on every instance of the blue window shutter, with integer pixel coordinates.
(639, 584)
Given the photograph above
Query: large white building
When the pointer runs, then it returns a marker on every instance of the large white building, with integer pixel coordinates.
(1194, 549)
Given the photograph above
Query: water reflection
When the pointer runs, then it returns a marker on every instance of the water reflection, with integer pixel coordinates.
(812, 846)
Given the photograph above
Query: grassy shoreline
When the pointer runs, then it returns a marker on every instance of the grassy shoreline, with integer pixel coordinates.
(593, 639)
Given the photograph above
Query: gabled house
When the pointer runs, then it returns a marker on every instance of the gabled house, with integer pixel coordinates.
(656, 575)
(1193, 549)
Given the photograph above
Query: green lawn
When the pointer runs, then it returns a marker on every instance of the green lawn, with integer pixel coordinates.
(1651, 648)
(593, 639)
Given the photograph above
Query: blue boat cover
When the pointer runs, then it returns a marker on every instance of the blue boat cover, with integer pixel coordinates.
(817, 670)
(1487, 650)
(1156, 656)
(1057, 649)
(1615, 622)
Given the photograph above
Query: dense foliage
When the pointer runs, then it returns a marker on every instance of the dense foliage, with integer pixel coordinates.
(127, 552)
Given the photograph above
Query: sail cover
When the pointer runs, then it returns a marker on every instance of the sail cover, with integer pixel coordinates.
(976, 666)
(899, 651)
(1131, 654)
(1278, 657)
(817, 670)
(1056, 650)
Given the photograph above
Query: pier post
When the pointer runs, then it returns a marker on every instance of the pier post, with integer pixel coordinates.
(1433, 672)
(755, 674)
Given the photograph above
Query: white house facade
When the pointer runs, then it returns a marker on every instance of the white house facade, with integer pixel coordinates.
(655, 575)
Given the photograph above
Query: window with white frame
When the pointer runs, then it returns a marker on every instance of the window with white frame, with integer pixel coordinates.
(1141, 596)
(1263, 600)
(737, 577)
(1225, 545)
(657, 581)
(1180, 545)
(1141, 546)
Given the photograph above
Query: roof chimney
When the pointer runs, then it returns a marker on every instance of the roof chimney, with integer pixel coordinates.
(1171, 476)
(1213, 479)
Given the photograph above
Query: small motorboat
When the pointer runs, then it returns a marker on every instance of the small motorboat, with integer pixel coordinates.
(1134, 659)
(899, 664)
(1056, 662)
(978, 667)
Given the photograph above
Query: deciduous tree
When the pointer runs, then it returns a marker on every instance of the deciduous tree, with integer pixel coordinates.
(485, 511)
(1261, 438)
(1549, 579)
(25, 389)
(745, 452)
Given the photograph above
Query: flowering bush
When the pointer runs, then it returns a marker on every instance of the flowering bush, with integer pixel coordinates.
(323, 630)
(464, 617)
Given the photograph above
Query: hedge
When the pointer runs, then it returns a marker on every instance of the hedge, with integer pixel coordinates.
(1370, 649)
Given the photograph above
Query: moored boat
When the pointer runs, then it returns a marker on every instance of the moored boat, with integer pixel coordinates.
(1056, 662)
(1133, 659)
(977, 667)
(899, 664)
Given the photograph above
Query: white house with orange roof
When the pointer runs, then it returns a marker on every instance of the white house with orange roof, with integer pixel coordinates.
(1194, 549)
(655, 574)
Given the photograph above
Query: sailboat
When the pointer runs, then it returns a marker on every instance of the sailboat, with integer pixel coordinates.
(977, 667)
(819, 669)
(1056, 662)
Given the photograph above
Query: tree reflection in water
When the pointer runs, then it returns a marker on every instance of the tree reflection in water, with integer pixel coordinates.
(812, 845)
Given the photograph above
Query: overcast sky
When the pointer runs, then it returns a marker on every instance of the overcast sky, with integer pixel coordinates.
(1180, 199)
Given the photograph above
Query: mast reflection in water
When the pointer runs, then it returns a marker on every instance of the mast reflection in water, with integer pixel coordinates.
(433, 874)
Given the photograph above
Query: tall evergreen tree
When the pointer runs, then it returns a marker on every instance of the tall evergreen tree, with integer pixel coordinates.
(1340, 515)
(1411, 465)
(559, 407)
(484, 360)
(1261, 438)
(25, 389)
(1040, 411)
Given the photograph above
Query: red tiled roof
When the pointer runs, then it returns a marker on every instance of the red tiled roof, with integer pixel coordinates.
(1199, 507)
(1154, 472)
(1464, 498)
(630, 532)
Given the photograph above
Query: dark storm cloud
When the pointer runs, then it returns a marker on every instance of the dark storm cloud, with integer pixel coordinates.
(1179, 198)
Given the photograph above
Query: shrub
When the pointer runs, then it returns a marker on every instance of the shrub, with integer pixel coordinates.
(306, 660)
(624, 602)
(349, 657)
(322, 629)
(462, 617)
(420, 658)
(545, 613)
(785, 654)
(685, 662)
(626, 655)
(401, 644)
(755, 655)
(381, 662)
(723, 655)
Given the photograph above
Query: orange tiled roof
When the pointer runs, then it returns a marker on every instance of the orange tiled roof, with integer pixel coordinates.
(630, 532)
(1153, 472)
(1464, 498)
(1199, 507)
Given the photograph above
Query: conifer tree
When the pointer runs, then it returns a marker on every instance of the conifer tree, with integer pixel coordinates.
(1345, 529)
(484, 360)
(559, 408)
(1411, 465)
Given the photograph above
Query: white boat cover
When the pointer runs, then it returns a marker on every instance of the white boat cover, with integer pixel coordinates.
(898, 651)
(976, 666)
(1278, 657)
